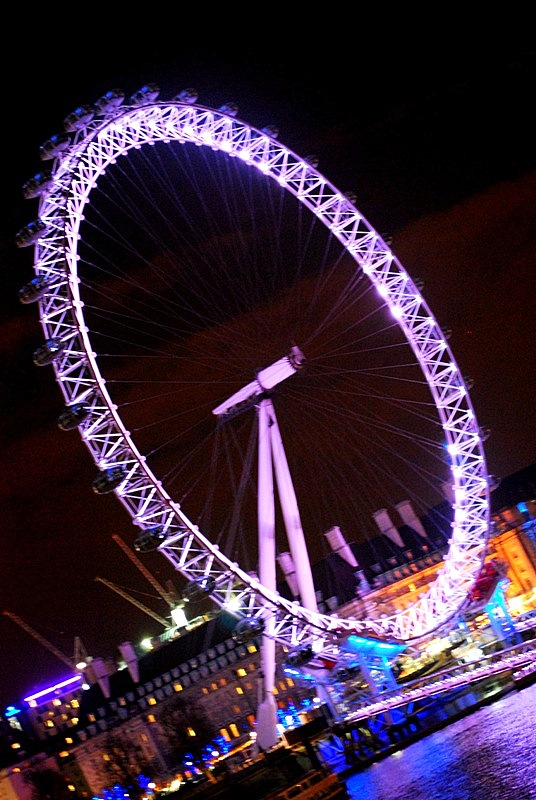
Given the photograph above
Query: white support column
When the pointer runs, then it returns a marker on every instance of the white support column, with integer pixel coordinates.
(291, 516)
(267, 734)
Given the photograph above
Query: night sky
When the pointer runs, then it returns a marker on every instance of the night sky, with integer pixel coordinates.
(434, 132)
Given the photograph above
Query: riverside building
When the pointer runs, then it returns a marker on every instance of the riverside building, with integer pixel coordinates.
(207, 683)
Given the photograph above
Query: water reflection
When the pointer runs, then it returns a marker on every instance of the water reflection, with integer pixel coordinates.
(489, 754)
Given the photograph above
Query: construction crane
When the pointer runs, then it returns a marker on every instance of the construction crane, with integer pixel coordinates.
(169, 597)
(70, 662)
(166, 624)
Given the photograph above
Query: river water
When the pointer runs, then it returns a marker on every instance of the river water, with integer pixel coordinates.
(488, 755)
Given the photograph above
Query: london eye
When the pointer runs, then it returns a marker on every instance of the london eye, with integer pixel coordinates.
(246, 360)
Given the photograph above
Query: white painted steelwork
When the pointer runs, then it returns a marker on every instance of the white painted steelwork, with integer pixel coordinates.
(78, 164)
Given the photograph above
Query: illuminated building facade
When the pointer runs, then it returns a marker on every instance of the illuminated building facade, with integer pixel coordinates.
(209, 671)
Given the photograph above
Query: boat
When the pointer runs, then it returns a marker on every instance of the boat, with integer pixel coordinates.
(314, 785)
(525, 676)
(280, 774)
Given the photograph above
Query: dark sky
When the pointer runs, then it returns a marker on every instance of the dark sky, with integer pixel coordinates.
(434, 132)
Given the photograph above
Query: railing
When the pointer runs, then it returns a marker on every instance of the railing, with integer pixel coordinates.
(445, 680)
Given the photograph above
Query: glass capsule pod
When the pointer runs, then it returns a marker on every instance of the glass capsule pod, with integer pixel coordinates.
(37, 185)
(48, 352)
(108, 479)
(247, 629)
(30, 233)
(78, 118)
(72, 416)
(147, 94)
(149, 539)
(54, 146)
(198, 589)
(34, 289)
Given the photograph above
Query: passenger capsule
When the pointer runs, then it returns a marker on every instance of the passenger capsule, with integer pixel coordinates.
(271, 130)
(78, 118)
(54, 146)
(231, 109)
(30, 233)
(108, 480)
(72, 416)
(312, 160)
(48, 352)
(37, 185)
(147, 94)
(198, 589)
(150, 539)
(109, 101)
(300, 656)
(247, 629)
(187, 96)
(352, 197)
(493, 482)
(485, 433)
(34, 290)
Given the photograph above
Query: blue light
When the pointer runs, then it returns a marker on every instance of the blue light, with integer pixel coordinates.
(11, 711)
(358, 644)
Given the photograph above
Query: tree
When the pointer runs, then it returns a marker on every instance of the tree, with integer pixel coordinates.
(48, 784)
(125, 765)
(187, 729)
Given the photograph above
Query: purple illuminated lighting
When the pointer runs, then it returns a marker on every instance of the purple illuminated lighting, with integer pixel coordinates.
(53, 689)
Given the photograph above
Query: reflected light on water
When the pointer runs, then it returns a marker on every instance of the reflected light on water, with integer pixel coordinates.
(488, 754)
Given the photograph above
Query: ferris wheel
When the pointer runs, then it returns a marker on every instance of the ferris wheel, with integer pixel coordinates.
(246, 360)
